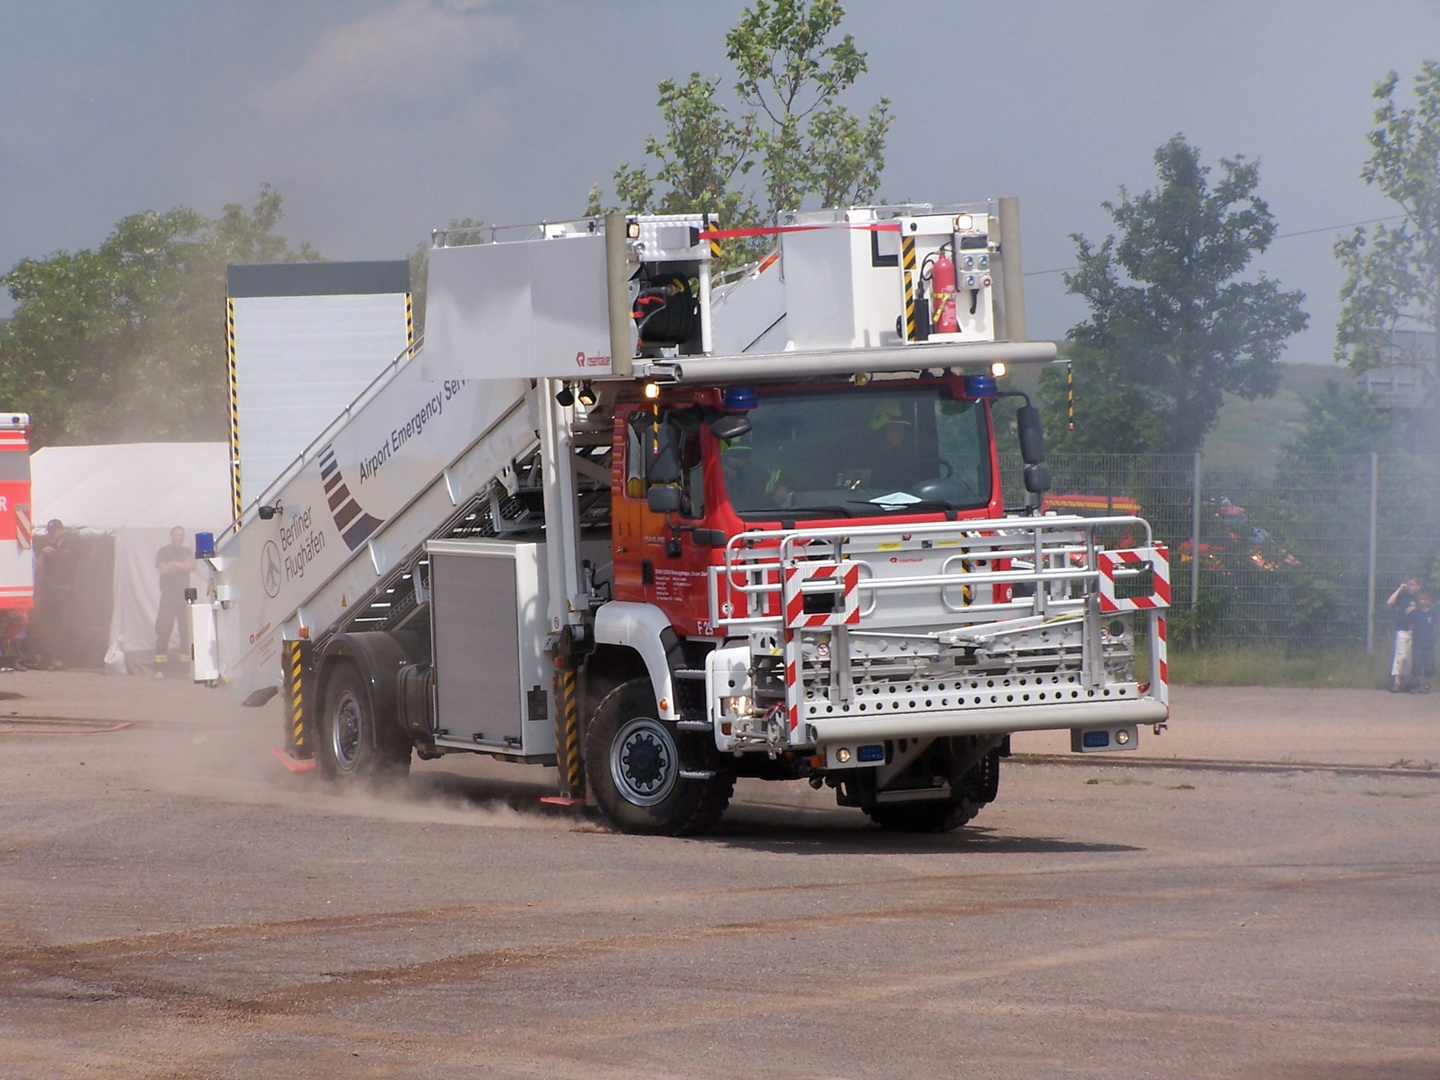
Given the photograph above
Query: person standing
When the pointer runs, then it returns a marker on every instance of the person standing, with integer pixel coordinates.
(55, 564)
(175, 561)
(1422, 644)
(1404, 601)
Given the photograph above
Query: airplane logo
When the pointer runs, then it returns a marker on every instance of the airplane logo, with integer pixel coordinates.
(270, 569)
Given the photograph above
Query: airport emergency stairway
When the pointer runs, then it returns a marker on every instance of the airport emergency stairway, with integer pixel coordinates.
(476, 479)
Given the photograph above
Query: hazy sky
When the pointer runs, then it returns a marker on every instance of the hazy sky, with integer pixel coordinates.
(380, 119)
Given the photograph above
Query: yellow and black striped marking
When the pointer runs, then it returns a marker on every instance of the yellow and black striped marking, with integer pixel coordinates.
(907, 263)
(1070, 391)
(567, 736)
(294, 664)
(409, 327)
(235, 498)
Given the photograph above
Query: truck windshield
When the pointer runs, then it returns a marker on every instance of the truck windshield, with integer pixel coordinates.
(853, 452)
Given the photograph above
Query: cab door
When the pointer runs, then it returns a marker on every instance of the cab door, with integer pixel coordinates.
(657, 557)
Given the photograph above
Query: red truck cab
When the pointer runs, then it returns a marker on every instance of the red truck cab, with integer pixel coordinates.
(894, 451)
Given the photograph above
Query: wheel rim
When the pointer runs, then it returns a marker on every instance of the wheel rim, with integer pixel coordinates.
(345, 732)
(644, 763)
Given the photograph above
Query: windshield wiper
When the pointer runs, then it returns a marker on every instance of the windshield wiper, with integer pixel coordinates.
(794, 511)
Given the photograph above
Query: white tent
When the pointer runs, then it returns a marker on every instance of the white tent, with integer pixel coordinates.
(139, 492)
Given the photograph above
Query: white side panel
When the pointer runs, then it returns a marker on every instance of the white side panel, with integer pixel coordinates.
(299, 360)
(488, 624)
(819, 290)
(534, 309)
(747, 314)
(204, 642)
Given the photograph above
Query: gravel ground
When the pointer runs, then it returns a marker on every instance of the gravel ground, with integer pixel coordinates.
(174, 904)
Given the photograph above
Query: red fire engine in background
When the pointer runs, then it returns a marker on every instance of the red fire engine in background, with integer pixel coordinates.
(17, 565)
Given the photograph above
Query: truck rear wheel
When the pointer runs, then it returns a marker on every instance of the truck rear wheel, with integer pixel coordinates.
(636, 766)
(353, 743)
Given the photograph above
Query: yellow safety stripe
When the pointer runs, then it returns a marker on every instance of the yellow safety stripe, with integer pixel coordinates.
(295, 677)
(236, 504)
(907, 259)
(567, 735)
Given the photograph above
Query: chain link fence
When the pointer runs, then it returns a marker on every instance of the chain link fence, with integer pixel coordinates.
(1301, 555)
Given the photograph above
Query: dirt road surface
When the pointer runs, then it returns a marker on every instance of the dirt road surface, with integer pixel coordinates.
(174, 904)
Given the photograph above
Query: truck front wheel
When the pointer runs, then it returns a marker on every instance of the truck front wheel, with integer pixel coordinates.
(648, 777)
(352, 743)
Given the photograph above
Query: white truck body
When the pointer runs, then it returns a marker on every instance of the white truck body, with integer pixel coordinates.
(446, 540)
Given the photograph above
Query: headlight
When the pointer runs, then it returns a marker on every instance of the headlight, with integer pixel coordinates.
(736, 706)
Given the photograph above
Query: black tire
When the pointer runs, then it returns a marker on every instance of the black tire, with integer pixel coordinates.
(633, 762)
(353, 744)
(939, 815)
(974, 790)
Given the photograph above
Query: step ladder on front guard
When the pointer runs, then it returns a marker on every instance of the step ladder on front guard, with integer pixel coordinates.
(867, 650)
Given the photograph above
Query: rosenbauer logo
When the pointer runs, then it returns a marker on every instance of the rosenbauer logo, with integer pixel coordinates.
(584, 361)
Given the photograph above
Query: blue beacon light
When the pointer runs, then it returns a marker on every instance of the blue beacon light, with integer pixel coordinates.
(740, 399)
(981, 386)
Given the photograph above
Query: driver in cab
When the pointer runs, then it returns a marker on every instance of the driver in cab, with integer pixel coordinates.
(891, 454)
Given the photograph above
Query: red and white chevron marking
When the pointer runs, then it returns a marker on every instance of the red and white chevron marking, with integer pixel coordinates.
(1107, 562)
(1162, 659)
(793, 689)
(847, 613)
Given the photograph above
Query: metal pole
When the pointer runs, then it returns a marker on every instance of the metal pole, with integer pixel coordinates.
(1370, 562)
(1195, 550)
(617, 294)
(1011, 269)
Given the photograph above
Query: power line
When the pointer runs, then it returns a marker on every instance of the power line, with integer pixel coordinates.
(1280, 236)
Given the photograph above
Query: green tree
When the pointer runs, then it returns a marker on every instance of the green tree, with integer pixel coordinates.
(1392, 275)
(1172, 324)
(127, 342)
(1344, 420)
(794, 133)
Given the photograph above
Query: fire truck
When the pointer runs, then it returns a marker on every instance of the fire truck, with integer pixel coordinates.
(17, 564)
(660, 527)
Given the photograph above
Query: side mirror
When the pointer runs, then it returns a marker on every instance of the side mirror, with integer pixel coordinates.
(1032, 437)
(664, 498)
(664, 466)
(1037, 479)
(730, 426)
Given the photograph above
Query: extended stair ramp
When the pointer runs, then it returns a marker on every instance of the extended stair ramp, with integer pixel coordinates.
(333, 542)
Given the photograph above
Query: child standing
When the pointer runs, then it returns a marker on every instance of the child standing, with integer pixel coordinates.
(1405, 605)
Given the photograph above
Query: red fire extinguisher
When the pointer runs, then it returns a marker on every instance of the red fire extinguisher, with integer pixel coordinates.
(942, 289)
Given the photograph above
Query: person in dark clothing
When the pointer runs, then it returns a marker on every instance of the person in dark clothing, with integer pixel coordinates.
(1422, 644)
(55, 562)
(174, 561)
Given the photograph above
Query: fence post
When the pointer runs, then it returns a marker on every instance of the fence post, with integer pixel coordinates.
(1370, 561)
(1195, 551)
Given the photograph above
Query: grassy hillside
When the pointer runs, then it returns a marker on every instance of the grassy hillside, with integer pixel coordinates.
(1252, 431)
(1255, 430)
